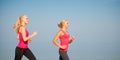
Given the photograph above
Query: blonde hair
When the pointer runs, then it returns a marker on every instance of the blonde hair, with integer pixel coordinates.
(17, 25)
(60, 24)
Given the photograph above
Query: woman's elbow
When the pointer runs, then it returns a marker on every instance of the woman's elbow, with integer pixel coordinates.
(25, 39)
(54, 41)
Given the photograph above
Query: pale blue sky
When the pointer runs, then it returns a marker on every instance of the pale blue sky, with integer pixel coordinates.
(94, 23)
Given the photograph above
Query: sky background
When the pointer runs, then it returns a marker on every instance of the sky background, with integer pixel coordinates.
(94, 23)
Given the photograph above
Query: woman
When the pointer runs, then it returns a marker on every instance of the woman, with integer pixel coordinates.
(24, 38)
(65, 40)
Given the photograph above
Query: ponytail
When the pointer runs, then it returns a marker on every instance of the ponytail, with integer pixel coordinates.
(60, 25)
(16, 26)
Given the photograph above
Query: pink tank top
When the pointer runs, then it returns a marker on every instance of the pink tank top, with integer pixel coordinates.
(22, 43)
(64, 40)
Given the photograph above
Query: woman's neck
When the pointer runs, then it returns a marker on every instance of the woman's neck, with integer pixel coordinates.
(23, 24)
(64, 29)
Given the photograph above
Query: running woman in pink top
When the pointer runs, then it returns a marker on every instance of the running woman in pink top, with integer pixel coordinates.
(65, 40)
(24, 38)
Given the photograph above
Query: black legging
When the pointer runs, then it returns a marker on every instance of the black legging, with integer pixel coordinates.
(19, 52)
(63, 55)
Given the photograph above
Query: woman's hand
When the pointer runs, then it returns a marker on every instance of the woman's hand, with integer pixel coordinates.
(71, 39)
(63, 46)
(35, 33)
(30, 40)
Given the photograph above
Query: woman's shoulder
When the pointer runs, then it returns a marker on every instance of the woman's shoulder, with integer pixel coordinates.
(60, 31)
(22, 28)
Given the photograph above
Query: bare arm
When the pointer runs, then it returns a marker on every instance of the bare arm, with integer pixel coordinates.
(56, 38)
(24, 34)
(56, 42)
(17, 37)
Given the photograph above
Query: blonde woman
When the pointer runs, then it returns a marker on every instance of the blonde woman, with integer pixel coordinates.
(24, 38)
(65, 39)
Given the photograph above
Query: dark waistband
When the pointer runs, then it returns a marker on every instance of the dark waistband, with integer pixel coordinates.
(21, 48)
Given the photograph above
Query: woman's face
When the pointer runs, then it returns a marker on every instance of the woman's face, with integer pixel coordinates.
(66, 24)
(25, 19)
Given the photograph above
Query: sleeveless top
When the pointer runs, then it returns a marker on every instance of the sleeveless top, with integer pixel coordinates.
(22, 43)
(64, 40)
